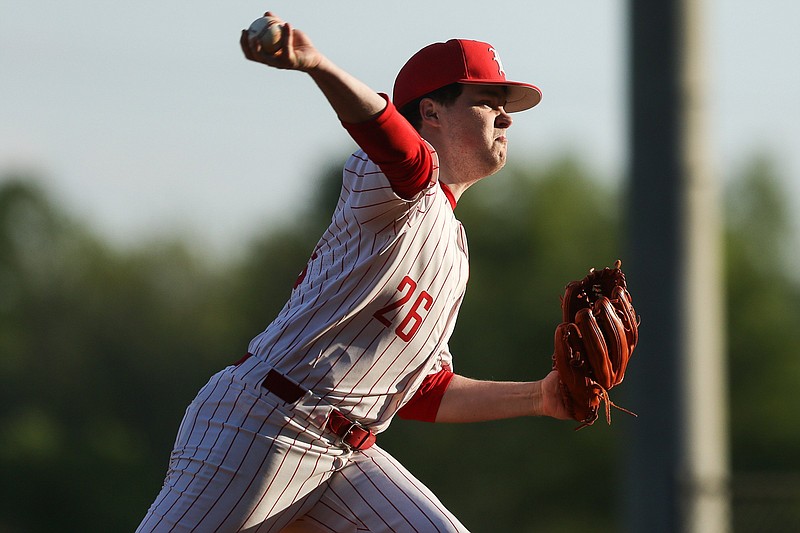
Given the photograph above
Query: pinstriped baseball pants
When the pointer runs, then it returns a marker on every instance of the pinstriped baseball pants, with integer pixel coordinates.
(243, 463)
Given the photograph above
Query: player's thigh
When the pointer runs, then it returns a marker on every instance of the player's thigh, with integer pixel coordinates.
(238, 461)
(374, 492)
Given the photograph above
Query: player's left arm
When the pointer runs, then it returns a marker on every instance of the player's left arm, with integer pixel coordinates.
(470, 400)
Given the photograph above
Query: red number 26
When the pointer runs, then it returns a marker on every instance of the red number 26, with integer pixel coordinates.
(413, 319)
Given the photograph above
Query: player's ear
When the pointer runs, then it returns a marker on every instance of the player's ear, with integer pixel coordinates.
(429, 112)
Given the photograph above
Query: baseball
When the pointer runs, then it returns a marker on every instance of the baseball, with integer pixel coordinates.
(264, 35)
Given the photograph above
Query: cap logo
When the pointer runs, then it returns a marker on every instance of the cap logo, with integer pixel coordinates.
(496, 58)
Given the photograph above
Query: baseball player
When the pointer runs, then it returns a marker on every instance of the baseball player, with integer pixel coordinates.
(284, 440)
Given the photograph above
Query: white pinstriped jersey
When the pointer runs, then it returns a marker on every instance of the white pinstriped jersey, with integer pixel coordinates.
(372, 313)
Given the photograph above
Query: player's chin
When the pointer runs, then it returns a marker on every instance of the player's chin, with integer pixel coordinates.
(493, 159)
(501, 146)
(501, 155)
(496, 165)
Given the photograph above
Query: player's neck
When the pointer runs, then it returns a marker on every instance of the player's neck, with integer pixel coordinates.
(456, 188)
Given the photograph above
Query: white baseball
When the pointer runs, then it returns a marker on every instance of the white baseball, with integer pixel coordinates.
(264, 35)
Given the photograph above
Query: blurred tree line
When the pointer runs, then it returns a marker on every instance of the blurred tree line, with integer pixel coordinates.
(102, 348)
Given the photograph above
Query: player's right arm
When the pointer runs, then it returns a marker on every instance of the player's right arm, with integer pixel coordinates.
(351, 99)
(387, 138)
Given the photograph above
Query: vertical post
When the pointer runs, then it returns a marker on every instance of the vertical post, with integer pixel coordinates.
(654, 268)
(706, 456)
(677, 452)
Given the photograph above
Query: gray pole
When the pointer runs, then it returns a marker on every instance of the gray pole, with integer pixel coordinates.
(706, 456)
(678, 458)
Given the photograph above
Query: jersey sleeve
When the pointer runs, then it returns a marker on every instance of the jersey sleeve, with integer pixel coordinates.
(396, 147)
(425, 403)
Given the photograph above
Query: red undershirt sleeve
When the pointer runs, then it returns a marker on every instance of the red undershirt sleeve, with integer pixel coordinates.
(393, 144)
(425, 403)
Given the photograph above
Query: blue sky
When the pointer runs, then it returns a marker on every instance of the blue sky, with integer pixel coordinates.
(144, 117)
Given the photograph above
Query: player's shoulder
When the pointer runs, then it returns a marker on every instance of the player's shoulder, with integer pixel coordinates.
(361, 173)
(359, 164)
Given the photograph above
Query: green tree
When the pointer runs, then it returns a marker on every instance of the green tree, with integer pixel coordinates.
(101, 352)
(763, 307)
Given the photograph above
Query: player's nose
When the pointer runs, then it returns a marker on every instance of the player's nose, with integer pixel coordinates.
(503, 119)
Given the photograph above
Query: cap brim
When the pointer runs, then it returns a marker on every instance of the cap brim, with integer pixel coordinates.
(521, 96)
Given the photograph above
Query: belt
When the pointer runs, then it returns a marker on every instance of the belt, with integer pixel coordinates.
(351, 434)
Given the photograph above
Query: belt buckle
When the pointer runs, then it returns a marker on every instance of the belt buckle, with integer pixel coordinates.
(346, 434)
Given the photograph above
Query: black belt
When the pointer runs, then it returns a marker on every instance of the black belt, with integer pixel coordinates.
(351, 434)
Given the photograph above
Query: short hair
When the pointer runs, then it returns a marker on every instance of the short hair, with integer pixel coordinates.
(446, 95)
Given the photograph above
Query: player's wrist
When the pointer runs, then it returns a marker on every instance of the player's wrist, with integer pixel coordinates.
(549, 401)
(536, 397)
(319, 65)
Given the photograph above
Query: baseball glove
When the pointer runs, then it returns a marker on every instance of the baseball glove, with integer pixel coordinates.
(594, 342)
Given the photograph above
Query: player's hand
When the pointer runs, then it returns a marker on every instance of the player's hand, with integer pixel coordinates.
(552, 399)
(296, 52)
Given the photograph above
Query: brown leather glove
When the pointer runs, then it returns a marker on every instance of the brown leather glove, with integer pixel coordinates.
(594, 342)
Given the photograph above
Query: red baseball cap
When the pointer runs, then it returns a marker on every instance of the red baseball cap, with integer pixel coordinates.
(459, 61)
